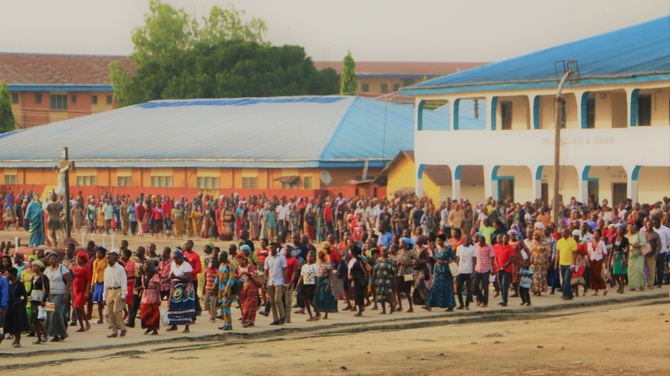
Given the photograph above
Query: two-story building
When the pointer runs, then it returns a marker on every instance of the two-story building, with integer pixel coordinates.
(46, 88)
(616, 138)
(376, 78)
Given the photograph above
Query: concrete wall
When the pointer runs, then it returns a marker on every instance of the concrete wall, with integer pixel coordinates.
(401, 176)
(653, 184)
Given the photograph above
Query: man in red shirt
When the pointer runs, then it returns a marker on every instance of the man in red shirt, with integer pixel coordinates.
(291, 268)
(505, 256)
(193, 259)
(328, 217)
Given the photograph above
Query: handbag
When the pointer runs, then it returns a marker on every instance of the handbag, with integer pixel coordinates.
(165, 320)
(453, 268)
(259, 280)
(41, 313)
(50, 306)
(408, 277)
(646, 248)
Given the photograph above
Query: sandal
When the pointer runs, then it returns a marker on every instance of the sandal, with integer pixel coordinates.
(311, 319)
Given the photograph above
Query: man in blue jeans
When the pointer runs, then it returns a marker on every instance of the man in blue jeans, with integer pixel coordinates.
(504, 259)
(565, 258)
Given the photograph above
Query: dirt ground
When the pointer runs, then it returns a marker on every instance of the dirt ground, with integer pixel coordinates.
(599, 341)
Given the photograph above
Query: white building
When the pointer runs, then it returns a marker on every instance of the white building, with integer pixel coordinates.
(616, 141)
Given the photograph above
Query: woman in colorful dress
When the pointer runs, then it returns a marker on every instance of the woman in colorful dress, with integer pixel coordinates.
(224, 281)
(16, 319)
(636, 278)
(130, 272)
(80, 289)
(384, 272)
(196, 220)
(597, 256)
(150, 314)
(538, 261)
(324, 298)
(181, 307)
(254, 224)
(405, 278)
(249, 294)
(38, 297)
(442, 293)
(619, 258)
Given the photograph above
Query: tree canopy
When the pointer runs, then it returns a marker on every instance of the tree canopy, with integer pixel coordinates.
(225, 56)
(7, 122)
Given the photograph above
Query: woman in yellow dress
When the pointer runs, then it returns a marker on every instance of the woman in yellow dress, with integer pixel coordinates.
(100, 216)
(196, 220)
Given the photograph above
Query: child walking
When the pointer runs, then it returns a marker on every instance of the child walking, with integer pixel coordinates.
(526, 276)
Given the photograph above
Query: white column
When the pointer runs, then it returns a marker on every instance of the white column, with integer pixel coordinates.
(537, 181)
(455, 182)
(418, 189)
(631, 187)
(583, 172)
(490, 185)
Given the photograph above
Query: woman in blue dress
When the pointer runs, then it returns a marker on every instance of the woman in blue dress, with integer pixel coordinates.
(442, 293)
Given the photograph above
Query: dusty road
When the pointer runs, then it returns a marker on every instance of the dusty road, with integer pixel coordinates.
(630, 339)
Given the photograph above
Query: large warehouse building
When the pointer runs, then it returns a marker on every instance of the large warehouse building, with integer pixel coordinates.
(286, 145)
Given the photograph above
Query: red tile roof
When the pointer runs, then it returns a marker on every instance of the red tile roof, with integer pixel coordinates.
(380, 68)
(48, 69)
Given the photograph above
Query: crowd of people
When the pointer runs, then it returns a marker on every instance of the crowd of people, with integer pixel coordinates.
(315, 257)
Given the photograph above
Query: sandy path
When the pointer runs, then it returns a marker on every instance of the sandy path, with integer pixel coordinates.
(604, 340)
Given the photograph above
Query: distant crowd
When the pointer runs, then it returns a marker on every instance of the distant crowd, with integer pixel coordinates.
(294, 256)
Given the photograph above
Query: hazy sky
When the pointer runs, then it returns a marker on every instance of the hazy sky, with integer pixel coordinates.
(383, 30)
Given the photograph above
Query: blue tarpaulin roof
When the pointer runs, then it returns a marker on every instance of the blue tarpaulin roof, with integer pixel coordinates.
(332, 131)
(641, 51)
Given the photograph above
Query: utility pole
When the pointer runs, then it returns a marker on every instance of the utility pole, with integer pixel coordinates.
(67, 165)
(569, 68)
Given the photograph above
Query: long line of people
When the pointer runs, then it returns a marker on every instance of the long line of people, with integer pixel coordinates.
(399, 250)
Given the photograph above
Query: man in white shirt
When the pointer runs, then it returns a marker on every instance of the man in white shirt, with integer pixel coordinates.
(664, 233)
(276, 271)
(283, 211)
(114, 293)
(444, 217)
(466, 256)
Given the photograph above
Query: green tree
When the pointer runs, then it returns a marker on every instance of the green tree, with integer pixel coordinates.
(7, 122)
(176, 58)
(348, 80)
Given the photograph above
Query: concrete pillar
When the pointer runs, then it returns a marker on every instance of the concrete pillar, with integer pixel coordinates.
(455, 182)
(418, 114)
(584, 183)
(534, 102)
(632, 173)
(631, 102)
(418, 190)
(491, 181)
(537, 182)
(492, 106)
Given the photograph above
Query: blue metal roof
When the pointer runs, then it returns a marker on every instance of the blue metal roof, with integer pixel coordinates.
(334, 131)
(639, 53)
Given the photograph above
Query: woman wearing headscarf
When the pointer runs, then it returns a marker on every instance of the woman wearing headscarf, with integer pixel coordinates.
(384, 272)
(358, 278)
(405, 278)
(181, 306)
(60, 281)
(249, 294)
(16, 319)
(38, 297)
(150, 303)
(324, 298)
(82, 274)
(538, 261)
(442, 293)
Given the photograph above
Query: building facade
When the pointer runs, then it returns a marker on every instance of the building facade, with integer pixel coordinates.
(46, 88)
(616, 122)
(376, 78)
